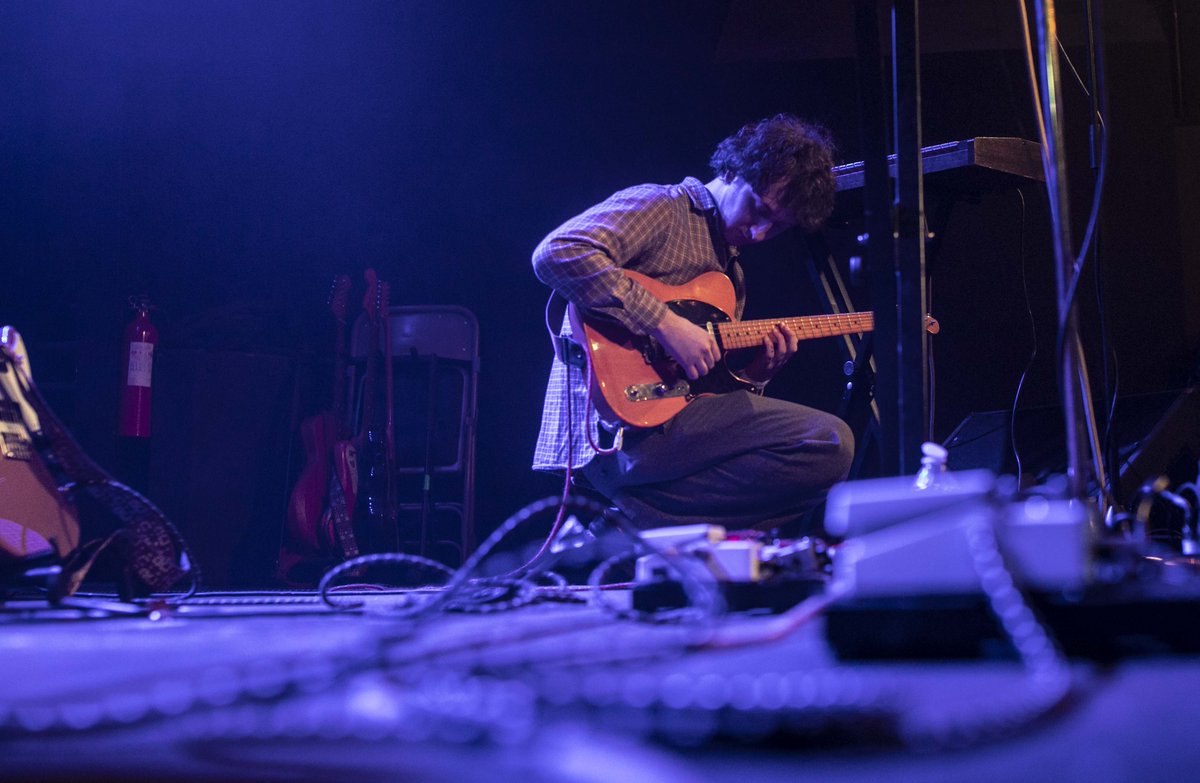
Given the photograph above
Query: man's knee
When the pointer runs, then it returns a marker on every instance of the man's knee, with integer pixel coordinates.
(844, 454)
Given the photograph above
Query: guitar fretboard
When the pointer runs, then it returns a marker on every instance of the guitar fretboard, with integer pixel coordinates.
(748, 334)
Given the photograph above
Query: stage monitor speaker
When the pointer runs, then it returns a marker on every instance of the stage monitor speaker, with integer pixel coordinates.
(1156, 434)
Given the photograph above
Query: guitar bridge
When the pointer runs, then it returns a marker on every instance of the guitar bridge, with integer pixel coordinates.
(14, 439)
(643, 392)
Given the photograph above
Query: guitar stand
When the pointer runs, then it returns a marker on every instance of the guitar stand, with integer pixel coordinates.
(40, 572)
(858, 407)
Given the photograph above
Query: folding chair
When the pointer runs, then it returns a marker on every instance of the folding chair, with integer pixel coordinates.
(435, 366)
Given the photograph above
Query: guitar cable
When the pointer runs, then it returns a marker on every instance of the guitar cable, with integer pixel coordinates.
(618, 443)
(456, 579)
(1012, 417)
(565, 496)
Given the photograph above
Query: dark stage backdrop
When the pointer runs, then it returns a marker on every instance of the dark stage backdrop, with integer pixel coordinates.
(226, 158)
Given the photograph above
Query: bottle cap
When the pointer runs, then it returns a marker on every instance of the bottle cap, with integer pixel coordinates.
(934, 451)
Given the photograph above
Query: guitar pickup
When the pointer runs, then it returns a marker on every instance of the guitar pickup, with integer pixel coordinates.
(642, 392)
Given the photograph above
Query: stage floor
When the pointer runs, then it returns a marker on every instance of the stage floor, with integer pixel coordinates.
(279, 687)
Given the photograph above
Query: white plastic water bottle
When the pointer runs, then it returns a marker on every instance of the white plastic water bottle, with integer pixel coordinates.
(933, 465)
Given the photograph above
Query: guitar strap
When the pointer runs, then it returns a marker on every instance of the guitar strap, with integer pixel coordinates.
(339, 510)
(729, 256)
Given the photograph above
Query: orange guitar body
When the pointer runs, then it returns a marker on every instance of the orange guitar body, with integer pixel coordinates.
(634, 382)
(621, 360)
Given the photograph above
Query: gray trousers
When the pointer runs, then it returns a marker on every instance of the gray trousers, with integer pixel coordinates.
(737, 460)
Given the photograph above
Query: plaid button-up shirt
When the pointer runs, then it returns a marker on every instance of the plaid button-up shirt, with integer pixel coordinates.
(668, 232)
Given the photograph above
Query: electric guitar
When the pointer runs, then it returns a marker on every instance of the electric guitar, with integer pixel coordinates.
(634, 381)
(313, 527)
(44, 474)
(375, 511)
(318, 522)
(36, 519)
(342, 482)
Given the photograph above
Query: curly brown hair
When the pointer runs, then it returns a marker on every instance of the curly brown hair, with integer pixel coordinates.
(788, 152)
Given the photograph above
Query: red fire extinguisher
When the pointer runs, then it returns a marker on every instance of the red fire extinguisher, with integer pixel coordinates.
(140, 339)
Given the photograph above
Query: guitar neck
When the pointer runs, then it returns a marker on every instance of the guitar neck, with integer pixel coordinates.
(370, 381)
(749, 334)
(339, 370)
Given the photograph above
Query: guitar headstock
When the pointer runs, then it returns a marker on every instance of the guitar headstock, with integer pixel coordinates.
(375, 300)
(15, 381)
(13, 348)
(339, 297)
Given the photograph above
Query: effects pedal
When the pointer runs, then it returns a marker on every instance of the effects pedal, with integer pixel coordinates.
(751, 571)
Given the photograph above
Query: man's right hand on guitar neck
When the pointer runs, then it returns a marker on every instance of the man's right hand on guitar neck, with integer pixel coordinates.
(691, 346)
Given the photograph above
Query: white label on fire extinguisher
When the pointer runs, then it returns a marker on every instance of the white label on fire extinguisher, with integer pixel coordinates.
(141, 364)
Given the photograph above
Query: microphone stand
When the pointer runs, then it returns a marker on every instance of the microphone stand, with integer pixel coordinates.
(1107, 458)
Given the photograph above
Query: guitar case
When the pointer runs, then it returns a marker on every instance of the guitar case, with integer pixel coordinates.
(61, 515)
